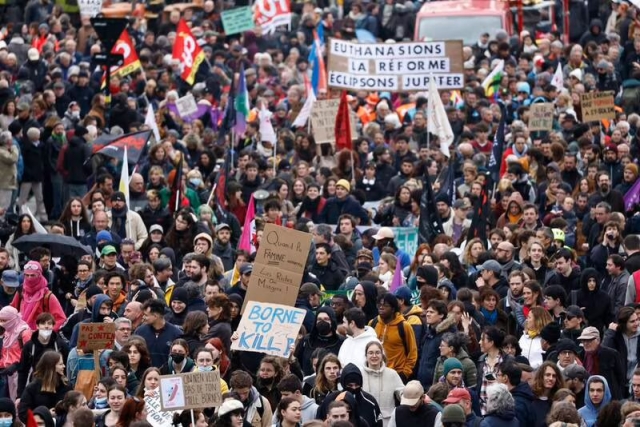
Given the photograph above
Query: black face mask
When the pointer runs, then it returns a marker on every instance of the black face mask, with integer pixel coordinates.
(323, 328)
(177, 358)
(354, 391)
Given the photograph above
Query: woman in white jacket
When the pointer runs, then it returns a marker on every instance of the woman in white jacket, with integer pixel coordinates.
(382, 382)
(531, 341)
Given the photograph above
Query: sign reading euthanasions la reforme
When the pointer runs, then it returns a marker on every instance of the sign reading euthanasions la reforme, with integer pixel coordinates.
(397, 67)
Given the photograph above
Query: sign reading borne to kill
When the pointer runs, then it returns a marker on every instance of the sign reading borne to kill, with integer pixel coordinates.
(395, 67)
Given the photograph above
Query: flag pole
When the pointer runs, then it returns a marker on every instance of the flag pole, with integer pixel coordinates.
(353, 169)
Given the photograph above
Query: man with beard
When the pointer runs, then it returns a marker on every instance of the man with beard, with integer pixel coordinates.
(5, 260)
(413, 411)
(137, 192)
(570, 172)
(222, 246)
(197, 270)
(513, 300)
(611, 165)
(124, 222)
(359, 335)
(504, 255)
(606, 193)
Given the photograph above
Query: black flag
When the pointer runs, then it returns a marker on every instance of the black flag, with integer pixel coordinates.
(430, 221)
(481, 209)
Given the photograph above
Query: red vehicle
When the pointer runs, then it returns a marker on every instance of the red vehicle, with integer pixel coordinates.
(466, 20)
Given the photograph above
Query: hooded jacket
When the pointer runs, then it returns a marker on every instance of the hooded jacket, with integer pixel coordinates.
(383, 384)
(309, 409)
(591, 36)
(430, 349)
(589, 412)
(96, 317)
(371, 296)
(313, 340)
(595, 304)
(402, 354)
(353, 348)
(366, 403)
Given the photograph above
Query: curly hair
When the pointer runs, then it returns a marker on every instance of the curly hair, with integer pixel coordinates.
(564, 412)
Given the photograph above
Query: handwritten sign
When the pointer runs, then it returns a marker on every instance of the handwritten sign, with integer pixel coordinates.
(268, 328)
(190, 391)
(237, 20)
(541, 116)
(90, 7)
(279, 266)
(597, 106)
(96, 336)
(186, 105)
(323, 121)
(155, 415)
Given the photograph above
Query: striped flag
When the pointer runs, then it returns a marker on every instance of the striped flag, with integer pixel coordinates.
(316, 59)
(492, 81)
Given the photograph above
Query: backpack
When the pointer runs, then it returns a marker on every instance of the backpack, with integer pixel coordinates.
(45, 301)
(401, 332)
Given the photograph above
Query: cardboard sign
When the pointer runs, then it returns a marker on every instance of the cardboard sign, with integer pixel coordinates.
(90, 7)
(279, 266)
(396, 67)
(190, 391)
(541, 116)
(186, 105)
(155, 415)
(96, 336)
(597, 106)
(323, 121)
(268, 328)
(237, 20)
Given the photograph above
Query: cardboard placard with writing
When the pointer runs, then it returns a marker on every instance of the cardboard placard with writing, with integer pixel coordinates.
(268, 328)
(323, 121)
(190, 391)
(279, 266)
(541, 116)
(396, 67)
(96, 336)
(155, 415)
(186, 105)
(597, 106)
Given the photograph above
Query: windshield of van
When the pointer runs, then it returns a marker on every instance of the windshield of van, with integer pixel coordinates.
(467, 28)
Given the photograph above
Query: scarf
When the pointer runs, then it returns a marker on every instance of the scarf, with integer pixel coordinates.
(33, 291)
(533, 334)
(119, 221)
(490, 316)
(13, 325)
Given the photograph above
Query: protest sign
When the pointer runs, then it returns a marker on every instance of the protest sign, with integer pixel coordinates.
(323, 120)
(96, 336)
(268, 328)
(237, 20)
(397, 67)
(541, 116)
(597, 106)
(155, 415)
(186, 105)
(279, 266)
(190, 391)
(90, 7)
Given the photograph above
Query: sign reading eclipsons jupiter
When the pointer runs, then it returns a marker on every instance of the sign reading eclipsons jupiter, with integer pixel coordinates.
(395, 67)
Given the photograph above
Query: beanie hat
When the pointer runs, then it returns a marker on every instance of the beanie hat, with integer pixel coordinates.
(429, 274)
(104, 235)
(453, 414)
(92, 291)
(451, 364)
(7, 405)
(551, 333)
(180, 294)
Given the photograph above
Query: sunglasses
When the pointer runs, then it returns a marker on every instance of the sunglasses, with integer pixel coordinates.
(31, 267)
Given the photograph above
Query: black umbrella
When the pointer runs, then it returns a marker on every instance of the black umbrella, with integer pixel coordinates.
(58, 244)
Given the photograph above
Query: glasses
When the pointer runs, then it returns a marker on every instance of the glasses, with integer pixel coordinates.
(374, 353)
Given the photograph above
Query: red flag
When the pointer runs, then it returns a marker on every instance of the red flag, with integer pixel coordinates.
(188, 52)
(31, 420)
(131, 63)
(343, 124)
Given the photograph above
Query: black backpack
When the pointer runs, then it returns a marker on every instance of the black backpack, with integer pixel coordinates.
(401, 332)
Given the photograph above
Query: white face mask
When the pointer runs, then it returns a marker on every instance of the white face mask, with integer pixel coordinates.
(45, 333)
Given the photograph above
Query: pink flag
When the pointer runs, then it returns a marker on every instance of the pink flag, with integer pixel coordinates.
(246, 240)
(398, 279)
(632, 197)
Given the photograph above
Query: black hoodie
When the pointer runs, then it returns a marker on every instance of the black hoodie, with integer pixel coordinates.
(595, 304)
(313, 340)
(367, 404)
(371, 305)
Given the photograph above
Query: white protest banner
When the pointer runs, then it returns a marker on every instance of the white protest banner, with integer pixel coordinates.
(270, 14)
(90, 7)
(190, 391)
(323, 121)
(396, 67)
(541, 116)
(186, 105)
(268, 328)
(155, 415)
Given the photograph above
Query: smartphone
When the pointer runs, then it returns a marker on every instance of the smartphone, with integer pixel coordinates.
(490, 377)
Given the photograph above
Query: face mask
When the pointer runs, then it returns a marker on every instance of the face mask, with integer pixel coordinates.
(6, 422)
(44, 333)
(177, 358)
(205, 368)
(100, 403)
(75, 114)
(195, 182)
(324, 328)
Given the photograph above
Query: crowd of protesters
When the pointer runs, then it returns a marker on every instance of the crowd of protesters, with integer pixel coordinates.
(536, 325)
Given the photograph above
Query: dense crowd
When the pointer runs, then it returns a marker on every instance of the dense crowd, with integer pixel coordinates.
(520, 306)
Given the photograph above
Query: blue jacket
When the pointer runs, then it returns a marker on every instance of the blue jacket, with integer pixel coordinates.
(96, 317)
(507, 419)
(430, 350)
(589, 412)
(336, 207)
(159, 345)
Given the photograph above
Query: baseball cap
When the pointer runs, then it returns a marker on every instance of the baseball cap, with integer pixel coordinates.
(118, 196)
(461, 204)
(453, 414)
(384, 233)
(412, 393)
(403, 293)
(156, 227)
(247, 268)
(491, 265)
(108, 250)
(309, 289)
(574, 311)
(23, 106)
(588, 334)
(10, 279)
(456, 395)
(230, 406)
(575, 371)
(222, 227)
